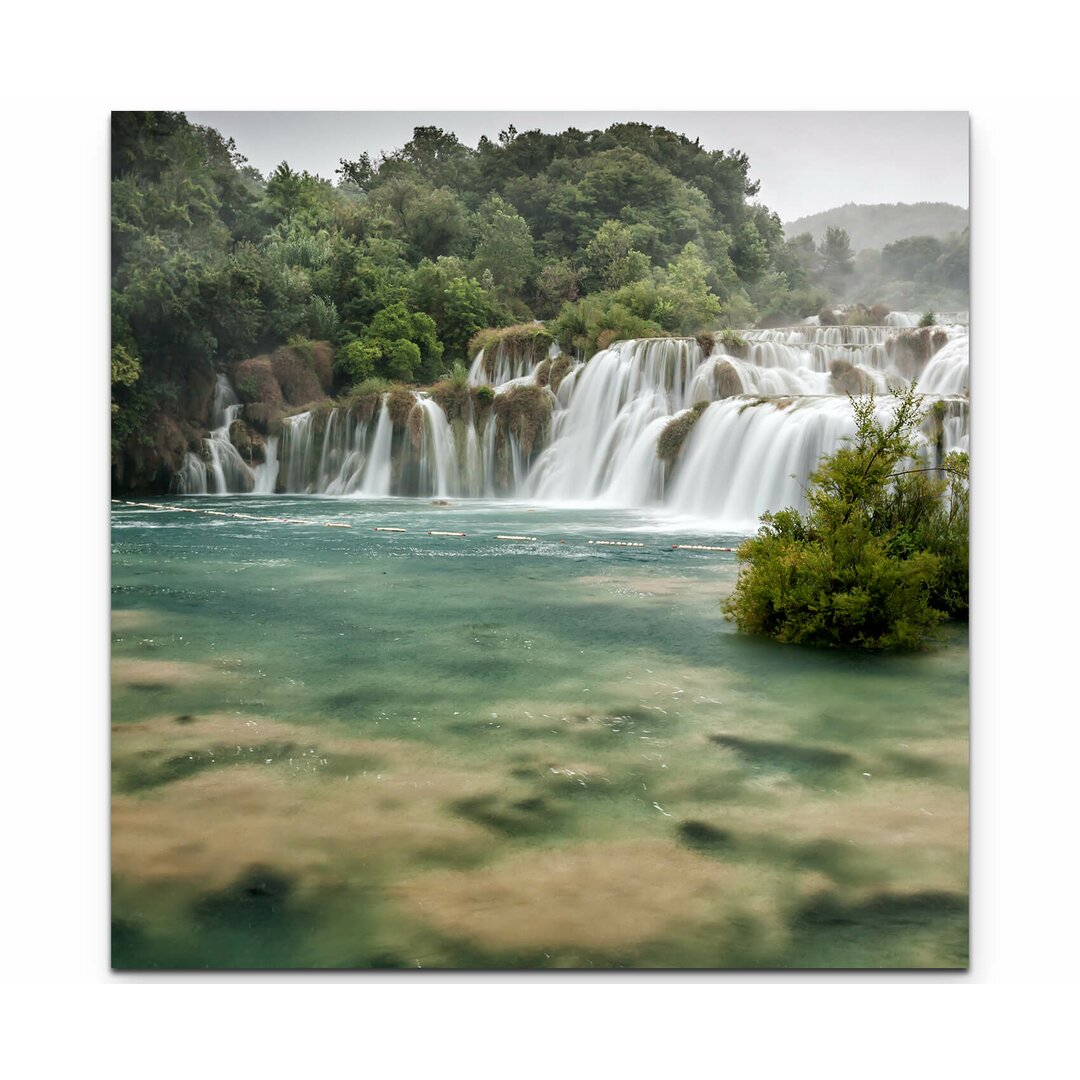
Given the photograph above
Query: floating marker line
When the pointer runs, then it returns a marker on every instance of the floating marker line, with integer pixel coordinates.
(438, 532)
(387, 528)
(700, 547)
(618, 543)
(499, 537)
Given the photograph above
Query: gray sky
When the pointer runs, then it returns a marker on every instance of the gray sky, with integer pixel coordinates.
(806, 161)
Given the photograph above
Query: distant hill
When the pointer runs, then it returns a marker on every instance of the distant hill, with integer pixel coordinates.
(874, 226)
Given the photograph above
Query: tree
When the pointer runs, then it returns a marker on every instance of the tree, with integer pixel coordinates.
(611, 259)
(505, 246)
(401, 344)
(837, 260)
(876, 560)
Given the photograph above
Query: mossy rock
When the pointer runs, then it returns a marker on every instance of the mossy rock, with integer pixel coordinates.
(670, 443)
(452, 396)
(846, 378)
(706, 342)
(240, 437)
(728, 382)
(524, 411)
(524, 340)
(910, 350)
(415, 426)
(304, 370)
(560, 368)
(732, 342)
(264, 418)
(483, 401)
(399, 403)
(256, 382)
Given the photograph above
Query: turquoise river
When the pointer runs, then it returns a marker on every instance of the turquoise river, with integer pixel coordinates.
(349, 748)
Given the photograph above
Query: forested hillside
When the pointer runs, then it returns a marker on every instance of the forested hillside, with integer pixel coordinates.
(397, 263)
(875, 226)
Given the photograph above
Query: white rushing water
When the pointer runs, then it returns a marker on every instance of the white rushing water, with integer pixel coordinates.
(767, 411)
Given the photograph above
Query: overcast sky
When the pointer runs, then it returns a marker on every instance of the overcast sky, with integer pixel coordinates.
(806, 161)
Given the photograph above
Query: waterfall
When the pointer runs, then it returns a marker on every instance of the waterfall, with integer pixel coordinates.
(504, 364)
(768, 408)
(376, 478)
(191, 477)
(226, 470)
(947, 372)
(266, 474)
(438, 455)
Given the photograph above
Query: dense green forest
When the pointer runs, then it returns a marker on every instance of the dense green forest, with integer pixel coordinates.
(395, 265)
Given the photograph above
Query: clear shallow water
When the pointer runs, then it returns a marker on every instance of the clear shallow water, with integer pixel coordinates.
(336, 747)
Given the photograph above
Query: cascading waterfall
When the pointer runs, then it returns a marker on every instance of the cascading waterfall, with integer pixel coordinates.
(225, 470)
(767, 410)
(506, 365)
(376, 478)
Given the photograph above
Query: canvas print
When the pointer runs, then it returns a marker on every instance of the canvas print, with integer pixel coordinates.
(539, 541)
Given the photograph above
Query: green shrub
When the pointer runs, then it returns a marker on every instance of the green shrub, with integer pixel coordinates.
(928, 319)
(879, 559)
(828, 317)
(356, 361)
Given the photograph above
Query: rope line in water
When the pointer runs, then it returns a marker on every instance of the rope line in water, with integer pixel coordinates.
(399, 529)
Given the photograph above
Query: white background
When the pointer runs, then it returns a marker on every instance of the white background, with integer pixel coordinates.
(67, 66)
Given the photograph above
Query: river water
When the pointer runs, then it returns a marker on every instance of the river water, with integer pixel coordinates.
(336, 747)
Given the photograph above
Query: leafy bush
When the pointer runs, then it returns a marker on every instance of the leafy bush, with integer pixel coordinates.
(828, 317)
(928, 319)
(356, 361)
(879, 559)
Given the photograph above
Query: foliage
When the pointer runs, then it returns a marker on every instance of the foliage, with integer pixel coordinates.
(880, 557)
(837, 258)
(402, 344)
(631, 231)
(504, 248)
(928, 319)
